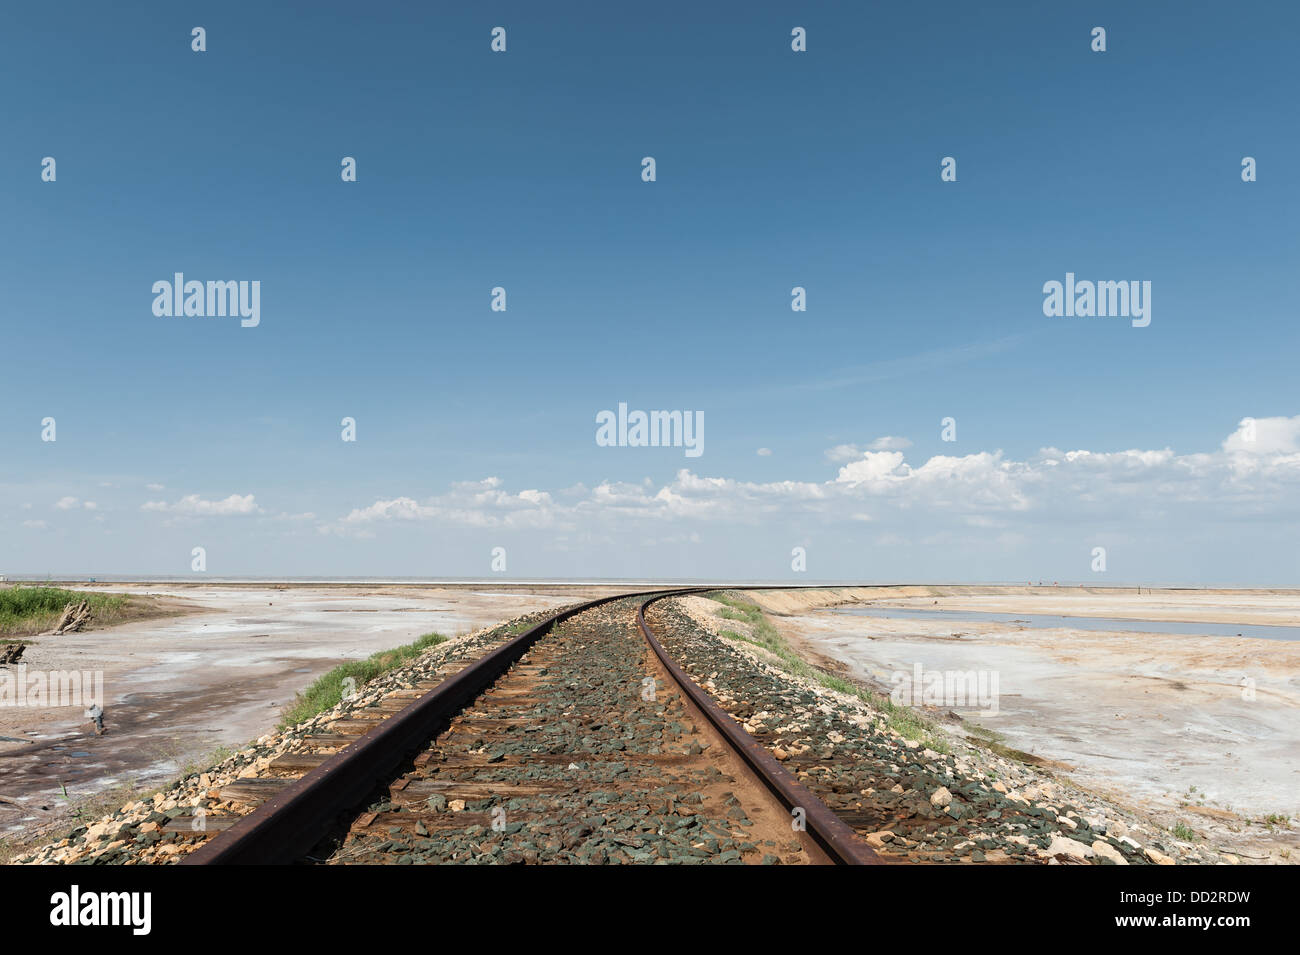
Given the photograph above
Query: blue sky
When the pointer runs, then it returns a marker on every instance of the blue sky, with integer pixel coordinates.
(774, 169)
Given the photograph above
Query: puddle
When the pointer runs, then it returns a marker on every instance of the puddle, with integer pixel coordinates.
(1038, 621)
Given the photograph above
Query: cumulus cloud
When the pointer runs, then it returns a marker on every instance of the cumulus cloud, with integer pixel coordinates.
(890, 443)
(851, 452)
(843, 452)
(72, 503)
(195, 506)
(1265, 436)
(469, 503)
(984, 492)
(764, 452)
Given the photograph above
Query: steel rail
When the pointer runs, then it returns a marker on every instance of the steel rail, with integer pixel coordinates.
(284, 828)
(835, 837)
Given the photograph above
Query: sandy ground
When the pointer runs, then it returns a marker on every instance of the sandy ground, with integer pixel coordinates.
(178, 688)
(1277, 608)
(1166, 721)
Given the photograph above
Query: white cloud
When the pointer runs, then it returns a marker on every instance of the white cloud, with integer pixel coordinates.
(400, 509)
(764, 452)
(194, 505)
(38, 525)
(875, 467)
(983, 492)
(843, 452)
(851, 452)
(72, 503)
(1265, 436)
(469, 503)
(890, 443)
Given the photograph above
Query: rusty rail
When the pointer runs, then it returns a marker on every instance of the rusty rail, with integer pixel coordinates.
(289, 824)
(835, 837)
(285, 828)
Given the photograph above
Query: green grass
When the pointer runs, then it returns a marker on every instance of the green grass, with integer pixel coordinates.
(904, 720)
(327, 691)
(34, 609)
(1184, 833)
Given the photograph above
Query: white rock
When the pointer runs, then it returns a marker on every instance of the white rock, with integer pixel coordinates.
(1106, 850)
(1061, 845)
(941, 797)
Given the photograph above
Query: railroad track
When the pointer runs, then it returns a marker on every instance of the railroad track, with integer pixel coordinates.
(579, 740)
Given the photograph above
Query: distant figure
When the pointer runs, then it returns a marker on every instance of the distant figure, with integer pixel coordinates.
(96, 715)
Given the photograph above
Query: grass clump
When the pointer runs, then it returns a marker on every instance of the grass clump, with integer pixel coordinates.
(904, 720)
(327, 691)
(33, 609)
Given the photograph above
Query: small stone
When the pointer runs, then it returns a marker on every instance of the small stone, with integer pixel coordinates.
(1158, 857)
(1107, 851)
(1061, 845)
(941, 797)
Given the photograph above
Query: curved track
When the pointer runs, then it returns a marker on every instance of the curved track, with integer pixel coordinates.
(579, 675)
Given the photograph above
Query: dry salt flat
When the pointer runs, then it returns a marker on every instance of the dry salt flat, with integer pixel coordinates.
(177, 688)
(1199, 729)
